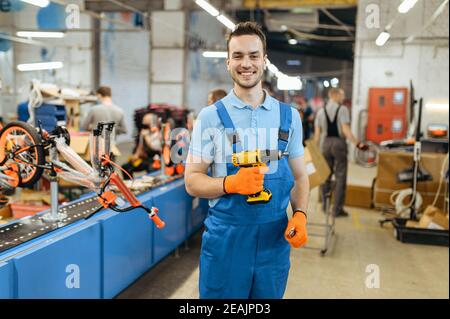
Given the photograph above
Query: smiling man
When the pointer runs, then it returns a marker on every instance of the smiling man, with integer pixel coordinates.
(245, 247)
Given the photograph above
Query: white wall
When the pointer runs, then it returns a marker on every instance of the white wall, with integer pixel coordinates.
(73, 50)
(124, 67)
(424, 61)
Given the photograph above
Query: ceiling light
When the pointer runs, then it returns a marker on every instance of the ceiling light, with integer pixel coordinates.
(272, 68)
(226, 22)
(293, 41)
(326, 84)
(283, 28)
(293, 62)
(39, 66)
(39, 34)
(205, 5)
(334, 82)
(38, 3)
(215, 54)
(382, 38)
(285, 82)
(437, 106)
(406, 5)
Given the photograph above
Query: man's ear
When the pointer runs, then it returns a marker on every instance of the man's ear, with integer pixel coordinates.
(227, 61)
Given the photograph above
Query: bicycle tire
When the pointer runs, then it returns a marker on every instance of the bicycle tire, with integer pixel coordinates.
(38, 149)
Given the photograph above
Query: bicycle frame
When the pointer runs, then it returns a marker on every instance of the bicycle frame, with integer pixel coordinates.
(97, 177)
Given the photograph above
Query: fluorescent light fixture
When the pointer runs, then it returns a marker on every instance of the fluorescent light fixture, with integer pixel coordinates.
(406, 5)
(205, 5)
(410, 39)
(293, 41)
(39, 66)
(437, 106)
(272, 68)
(382, 38)
(39, 34)
(326, 84)
(38, 3)
(283, 28)
(294, 62)
(215, 54)
(285, 82)
(334, 82)
(226, 22)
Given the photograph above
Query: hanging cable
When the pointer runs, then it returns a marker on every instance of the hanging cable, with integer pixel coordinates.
(444, 163)
(332, 17)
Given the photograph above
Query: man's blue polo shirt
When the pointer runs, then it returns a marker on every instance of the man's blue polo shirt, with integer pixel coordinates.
(257, 129)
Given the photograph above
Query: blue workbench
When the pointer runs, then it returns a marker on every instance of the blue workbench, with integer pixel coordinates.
(101, 256)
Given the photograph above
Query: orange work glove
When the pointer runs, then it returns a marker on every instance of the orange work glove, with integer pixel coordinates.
(295, 232)
(247, 181)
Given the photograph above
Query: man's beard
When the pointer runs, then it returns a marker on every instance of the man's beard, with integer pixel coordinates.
(251, 85)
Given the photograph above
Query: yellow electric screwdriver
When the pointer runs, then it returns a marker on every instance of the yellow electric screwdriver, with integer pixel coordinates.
(257, 158)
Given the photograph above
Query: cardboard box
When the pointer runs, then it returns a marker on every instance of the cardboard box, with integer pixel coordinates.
(316, 165)
(433, 218)
(358, 196)
(381, 197)
(73, 114)
(412, 224)
(79, 142)
(40, 197)
(392, 162)
(5, 212)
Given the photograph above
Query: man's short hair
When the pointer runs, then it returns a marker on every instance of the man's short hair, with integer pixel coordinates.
(218, 94)
(334, 92)
(104, 91)
(247, 28)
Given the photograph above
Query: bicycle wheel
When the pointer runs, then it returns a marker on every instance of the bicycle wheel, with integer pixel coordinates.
(21, 144)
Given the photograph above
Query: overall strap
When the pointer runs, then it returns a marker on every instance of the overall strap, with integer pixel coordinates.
(285, 124)
(230, 130)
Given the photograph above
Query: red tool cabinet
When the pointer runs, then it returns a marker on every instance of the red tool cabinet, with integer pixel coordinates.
(387, 114)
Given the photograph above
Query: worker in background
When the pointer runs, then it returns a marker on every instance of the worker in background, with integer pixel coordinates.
(149, 144)
(245, 248)
(331, 129)
(215, 95)
(267, 86)
(105, 111)
(306, 115)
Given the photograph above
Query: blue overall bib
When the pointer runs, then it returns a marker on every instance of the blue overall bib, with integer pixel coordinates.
(244, 253)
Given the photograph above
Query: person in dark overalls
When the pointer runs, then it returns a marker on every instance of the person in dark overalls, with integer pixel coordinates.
(332, 128)
(246, 247)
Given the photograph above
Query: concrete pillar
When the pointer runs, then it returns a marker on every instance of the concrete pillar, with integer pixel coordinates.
(167, 54)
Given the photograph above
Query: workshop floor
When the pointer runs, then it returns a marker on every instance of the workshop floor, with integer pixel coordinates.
(359, 251)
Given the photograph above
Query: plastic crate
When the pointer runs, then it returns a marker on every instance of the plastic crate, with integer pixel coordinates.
(419, 235)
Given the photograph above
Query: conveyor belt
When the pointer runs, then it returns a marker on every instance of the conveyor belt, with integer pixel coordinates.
(29, 228)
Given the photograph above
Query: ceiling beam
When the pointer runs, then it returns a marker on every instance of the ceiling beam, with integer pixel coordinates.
(282, 4)
(111, 6)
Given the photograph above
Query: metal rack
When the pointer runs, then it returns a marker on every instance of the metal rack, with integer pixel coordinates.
(328, 226)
